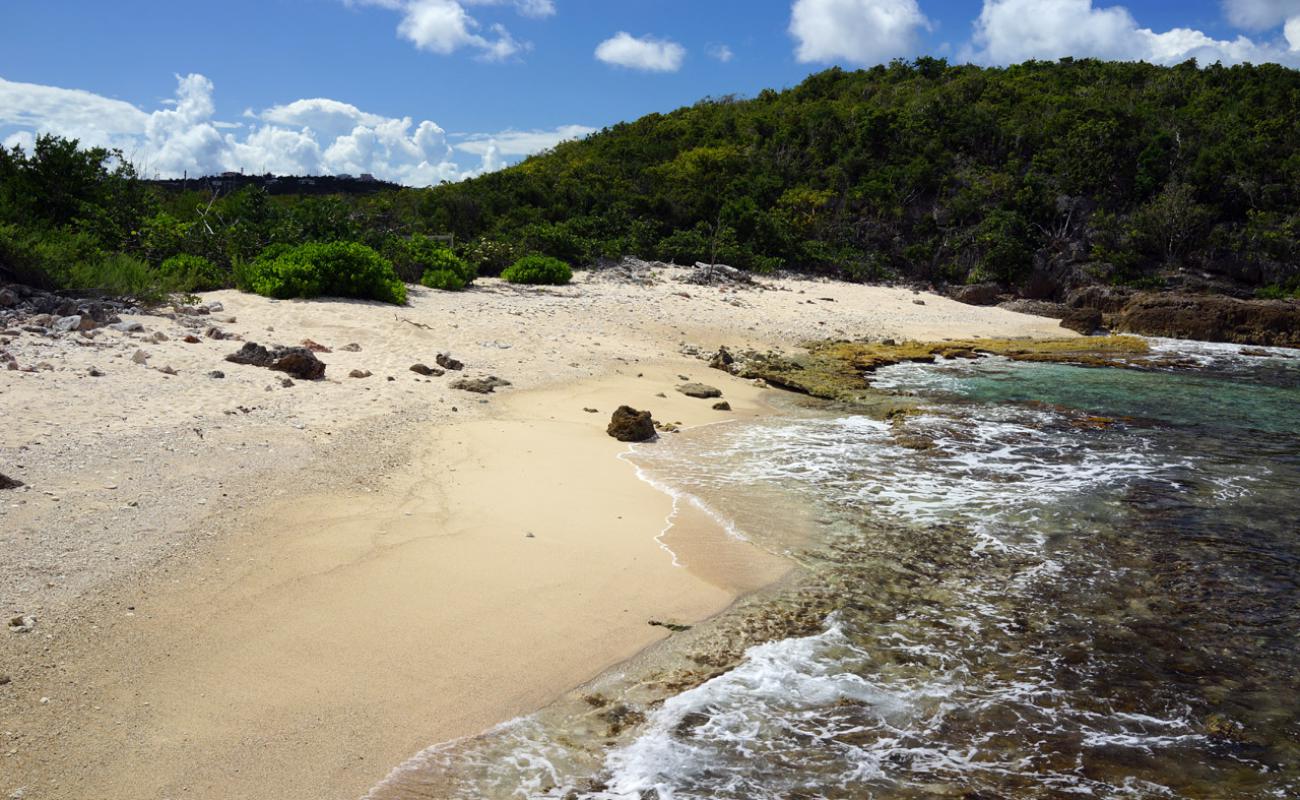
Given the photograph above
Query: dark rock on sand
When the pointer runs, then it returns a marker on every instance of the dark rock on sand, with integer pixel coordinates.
(299, 362)
(1212, 318)
(723, 359)
(629, 425)
(723, 406)
(700, 390)
(980, 294)
(7, 482)
(360, 373)
(1083, 320)
(479, 385)
(445, 361)
(421, 369)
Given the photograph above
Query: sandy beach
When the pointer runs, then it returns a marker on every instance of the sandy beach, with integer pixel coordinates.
(246, 589)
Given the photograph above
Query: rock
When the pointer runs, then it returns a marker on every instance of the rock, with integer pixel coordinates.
(216, 374)
(717, 275)
(918, 302)
(215, 307)
(7, 482)
(1212, 318)
(157, 337)
(980, 294)
(191, 339)
(167, 370)
(315, 347)
(723, 360)
(72, 323)
(629, 425)
(592, 410)
(95, 372)
(479, 385)
(297, 361)
(353, 347)
(127, 327)
(445, 361)
(1083, 320)
(723, 406)
(7, 298)
(700, 390)
(359, 373)
(421, 369)
(1106, 299)
(140, 357)
(23, 623)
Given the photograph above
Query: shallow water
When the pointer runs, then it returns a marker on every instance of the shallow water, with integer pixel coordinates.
(1053, 582)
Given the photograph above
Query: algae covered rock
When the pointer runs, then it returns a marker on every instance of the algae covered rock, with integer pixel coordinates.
(629, 425)
(701, 391)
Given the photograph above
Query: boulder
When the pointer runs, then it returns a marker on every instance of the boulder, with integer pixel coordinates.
(979, 294)
(7, 482)
(8, 299)
(700, 390)
(297, 361)
(1083, 320)
(445, 361)
(629, 425)
(1212, 318)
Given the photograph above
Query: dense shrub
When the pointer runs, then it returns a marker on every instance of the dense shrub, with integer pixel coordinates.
(491, 256)
(538, 270)
(187, 273)
(435, 263)
(339, 269)
(117, 274)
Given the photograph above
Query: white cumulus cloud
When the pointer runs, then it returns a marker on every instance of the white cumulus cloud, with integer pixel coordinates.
(1260, 15)
(861, 32)
(317, 136)
(644, 53)
(1009, 31)
(445, 26)
(721, 52)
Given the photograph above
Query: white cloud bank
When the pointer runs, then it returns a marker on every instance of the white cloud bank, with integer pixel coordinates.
(1009, 31)
(445, 26)
(863, 32)
(645, 53)
(306, 137)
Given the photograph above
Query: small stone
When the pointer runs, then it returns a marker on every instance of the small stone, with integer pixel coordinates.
(140, 357)
(127, 327)
(699, 390)
(592, 410)
(359, 373)
(918, 302)
(167, 370)
(215, 307)
(723, 406)
(23, 623)
(7, 482)
(157, 337)
(216, 374)
(191, 339)
(351, 348)
(94, 372)
(315, 347)
(421, 369)
(479, 385)
(445, 361)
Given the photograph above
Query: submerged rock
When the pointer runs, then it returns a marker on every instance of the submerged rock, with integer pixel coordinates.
(629, 425)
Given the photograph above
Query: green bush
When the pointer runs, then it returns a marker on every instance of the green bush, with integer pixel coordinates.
(338, 269)
(117, 274)
(187, 273)
(538, 270)
(444, 279)
(491, 257)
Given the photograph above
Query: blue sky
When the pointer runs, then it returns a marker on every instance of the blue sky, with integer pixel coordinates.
(427, 90)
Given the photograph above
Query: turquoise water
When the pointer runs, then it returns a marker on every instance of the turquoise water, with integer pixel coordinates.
(1053, 582)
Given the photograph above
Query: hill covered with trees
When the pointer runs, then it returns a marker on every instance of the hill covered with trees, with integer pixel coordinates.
(1077, 170)
(1038, 176)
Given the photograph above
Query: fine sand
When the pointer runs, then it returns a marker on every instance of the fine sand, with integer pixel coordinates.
(248, 590)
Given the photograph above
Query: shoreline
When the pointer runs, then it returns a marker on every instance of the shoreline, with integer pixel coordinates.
(274, 654)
